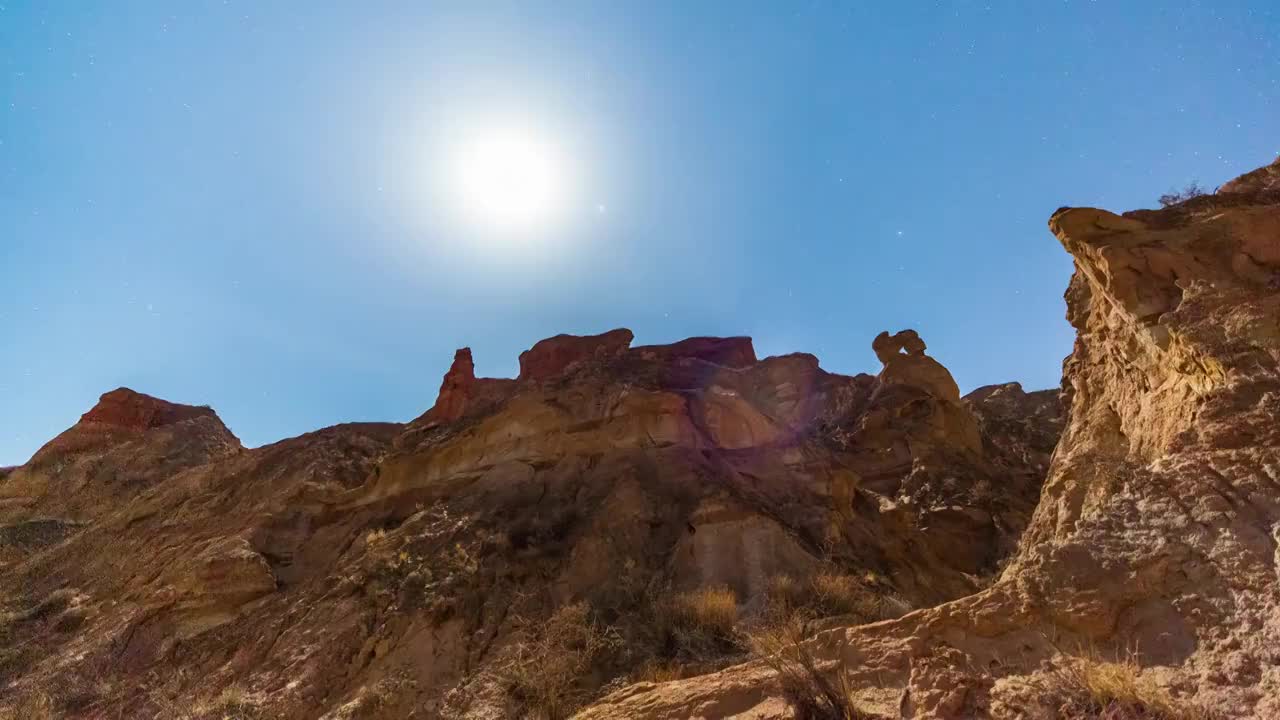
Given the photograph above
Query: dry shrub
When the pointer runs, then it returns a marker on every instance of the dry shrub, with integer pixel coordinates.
(232, 703)
(657, 672)
(71, 618)
(840, 594)
(1177, 197)
(1093, 688)
(812, 693)
(544, 673)
(827, 593)
(698, 627)
(32, 706)
(15, 661)
(713, 610)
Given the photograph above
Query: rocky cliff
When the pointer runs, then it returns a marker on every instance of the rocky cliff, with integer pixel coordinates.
(516, 548)
(636, 532)
(1153, 551)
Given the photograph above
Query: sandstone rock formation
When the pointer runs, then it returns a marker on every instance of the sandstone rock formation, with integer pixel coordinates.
(124, 446)
(403, 571)
(1155, 539)
(553, 356)
(603, 527)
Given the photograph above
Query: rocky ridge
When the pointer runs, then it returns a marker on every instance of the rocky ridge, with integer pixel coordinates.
(1155, 539)
(605, 528)
(382, 570)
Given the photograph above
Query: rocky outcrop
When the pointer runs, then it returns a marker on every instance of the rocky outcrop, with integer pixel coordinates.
(734, 352)
(127, 443)
(1155, 537)
(1020, 428)
(398, 571)
(551, 357)
(462, 393)
(905, 362)
(125, 408)
(417, 571)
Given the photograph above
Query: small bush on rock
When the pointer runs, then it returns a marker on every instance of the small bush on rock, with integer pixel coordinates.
(712, 610)
(1177, 197)
(545, 671)
(812, 692)
(33, 706)
(1092, 688)
(825, 594)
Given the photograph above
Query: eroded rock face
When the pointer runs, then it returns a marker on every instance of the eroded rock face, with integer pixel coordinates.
(393, 571)
(124, 445)
(125, 408)
(1155, 539)
(1021, 426)
(905, 362)
(551, 357)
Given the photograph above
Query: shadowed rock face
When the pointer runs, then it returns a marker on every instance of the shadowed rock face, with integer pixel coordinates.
(381, 570)
(553, 356)
(1155, 537)
(125, 408)
(124, 445)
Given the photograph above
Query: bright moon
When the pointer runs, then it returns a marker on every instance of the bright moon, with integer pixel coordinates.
(510, 181)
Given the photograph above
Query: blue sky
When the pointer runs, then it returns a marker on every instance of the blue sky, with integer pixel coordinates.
(237, 203)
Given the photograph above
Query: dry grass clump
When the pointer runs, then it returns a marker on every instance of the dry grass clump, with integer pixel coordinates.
(15, 661)
(841, 594)
(825, 594)
(1094, 688)
(545, 672)
(812, 693)
(232, 703)
(32, 706)
(713, 610)
(657, 672)
(698, 628)
(666, 634)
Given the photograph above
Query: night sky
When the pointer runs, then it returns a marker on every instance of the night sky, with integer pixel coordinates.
(269, 207)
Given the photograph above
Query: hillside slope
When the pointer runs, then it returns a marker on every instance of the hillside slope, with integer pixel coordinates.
(521, 545)
(1153, 552)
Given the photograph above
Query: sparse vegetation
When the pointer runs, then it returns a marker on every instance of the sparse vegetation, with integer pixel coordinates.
(15, 661)
(812, 692)
(232, 703)
(71, 619)
(711, 610)
(545, 673)
(31, 706)
(829, 592)
(1177, 197)
(699, 626)
(423, 565)
(656, 672)
(1093, 688)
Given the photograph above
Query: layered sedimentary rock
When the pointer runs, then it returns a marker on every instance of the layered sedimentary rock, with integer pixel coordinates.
(151, 565)
(1155, 539)
(381, 570)
(125, 446)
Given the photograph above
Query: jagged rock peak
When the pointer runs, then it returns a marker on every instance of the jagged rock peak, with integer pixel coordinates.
(127, 408)
(1264, 179)
(551, 357)
(905, 362)
(734, 352)
(888, 347)
(456, 387)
